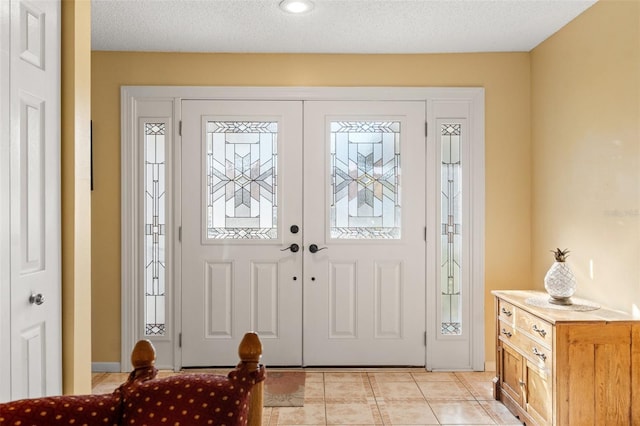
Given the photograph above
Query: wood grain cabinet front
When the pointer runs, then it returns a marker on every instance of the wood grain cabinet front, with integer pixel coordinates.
(564, 367)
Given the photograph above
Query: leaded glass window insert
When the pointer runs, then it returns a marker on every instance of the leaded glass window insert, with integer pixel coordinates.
(365, 180)
(154, 240)
(241, 166)
(451, 236)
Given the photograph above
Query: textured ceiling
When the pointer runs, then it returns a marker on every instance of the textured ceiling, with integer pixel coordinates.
(333, 26)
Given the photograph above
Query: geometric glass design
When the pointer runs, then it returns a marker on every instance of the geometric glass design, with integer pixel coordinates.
(365, 180)
(451, 236)
(241, 172)
(154, 240)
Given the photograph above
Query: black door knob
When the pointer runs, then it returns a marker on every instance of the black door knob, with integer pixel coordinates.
(314, 248)
(293, 247)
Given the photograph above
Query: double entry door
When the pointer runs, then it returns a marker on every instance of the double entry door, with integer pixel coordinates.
(304, 222)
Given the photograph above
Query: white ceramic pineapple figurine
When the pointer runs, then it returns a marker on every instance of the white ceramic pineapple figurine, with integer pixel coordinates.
(560, 282)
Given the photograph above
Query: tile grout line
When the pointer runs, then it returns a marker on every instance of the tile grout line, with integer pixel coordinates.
(375, 397)
(467, 385)
(324, 399)
(426, 399)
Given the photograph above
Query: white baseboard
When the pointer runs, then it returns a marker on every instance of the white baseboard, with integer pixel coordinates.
(490, 366)
(105, 367)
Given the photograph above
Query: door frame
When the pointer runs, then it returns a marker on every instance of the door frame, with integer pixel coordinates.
(5, 208)
(134, 99)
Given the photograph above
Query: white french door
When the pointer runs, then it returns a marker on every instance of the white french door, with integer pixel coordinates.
(343, 284)
(364, 201)
(241, 204)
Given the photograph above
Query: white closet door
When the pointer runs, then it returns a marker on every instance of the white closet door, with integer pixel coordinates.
(34, 199)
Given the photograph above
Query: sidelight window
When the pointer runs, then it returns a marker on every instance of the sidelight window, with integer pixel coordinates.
(154, 229)
(451, 227)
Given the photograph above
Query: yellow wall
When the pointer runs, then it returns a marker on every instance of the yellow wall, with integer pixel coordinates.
(562, 149)
(505, 78)
(76, 196)
(586, 152)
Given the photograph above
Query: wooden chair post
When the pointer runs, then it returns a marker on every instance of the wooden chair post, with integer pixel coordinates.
(143, 356)
(250, 351)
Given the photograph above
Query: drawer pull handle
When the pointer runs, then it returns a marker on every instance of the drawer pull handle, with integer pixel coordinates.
(507, 313)
(506, 333)
(540, 331)
(521, 383)
(539, 354)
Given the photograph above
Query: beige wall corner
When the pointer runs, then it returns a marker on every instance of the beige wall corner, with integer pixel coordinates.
(76, 196)
(586, 152)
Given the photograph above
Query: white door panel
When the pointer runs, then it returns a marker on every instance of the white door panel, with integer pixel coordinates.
(364, 200)
(237, 274)
(35, 200)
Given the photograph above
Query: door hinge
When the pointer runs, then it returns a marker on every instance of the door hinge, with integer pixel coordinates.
(425, 338)
(426, 129)
(179, 340)
(180, 127)
(180, 233)
(425, 233)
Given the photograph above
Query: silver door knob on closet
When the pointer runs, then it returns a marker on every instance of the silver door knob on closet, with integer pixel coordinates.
(38, 299)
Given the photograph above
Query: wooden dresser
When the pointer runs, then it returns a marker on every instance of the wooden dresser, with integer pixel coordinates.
(560, 367)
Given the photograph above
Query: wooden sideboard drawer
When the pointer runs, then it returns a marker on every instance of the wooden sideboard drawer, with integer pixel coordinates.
(531, 349)
(534, 351)
(506, 311)
(506, 330)
(540, 329)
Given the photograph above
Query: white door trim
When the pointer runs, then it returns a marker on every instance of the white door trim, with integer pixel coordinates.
(5, 208)
(132, 95)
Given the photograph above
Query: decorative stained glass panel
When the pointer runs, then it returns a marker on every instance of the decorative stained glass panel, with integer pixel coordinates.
(365, 180)
(451, 220)
(154, 214)
(242, 196)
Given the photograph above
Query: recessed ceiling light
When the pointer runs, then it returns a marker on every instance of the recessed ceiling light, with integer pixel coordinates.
(296, 6)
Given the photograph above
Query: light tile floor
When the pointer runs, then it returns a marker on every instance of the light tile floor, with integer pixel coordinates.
(408, 396)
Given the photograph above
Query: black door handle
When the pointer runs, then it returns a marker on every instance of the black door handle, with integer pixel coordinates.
(293, 247)
(314, 248)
